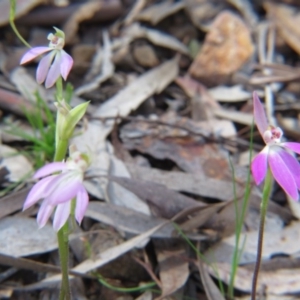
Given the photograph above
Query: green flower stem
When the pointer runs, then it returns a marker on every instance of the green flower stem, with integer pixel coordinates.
(62, 234)
(59, 89)
(263, 212)
(12, 13)
(61, 150)
(63, 248)
(240, 215)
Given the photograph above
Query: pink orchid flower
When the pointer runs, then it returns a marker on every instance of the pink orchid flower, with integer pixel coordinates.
(58, 190)
(62, 62)
(276, 155)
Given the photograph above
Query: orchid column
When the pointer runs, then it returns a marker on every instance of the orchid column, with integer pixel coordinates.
(274, 161)
(63, 191)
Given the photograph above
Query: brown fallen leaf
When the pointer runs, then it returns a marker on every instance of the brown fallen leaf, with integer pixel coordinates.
(277, 241)
(127, 220)
(202, 12)
(195, 183)
(155, 36)
(103, 258)
(23, 237)
(163, 202)
(231, 94)
(204, 107)
(47, 15)
(279, 282)
(189, 152)
(145, 56)
(15, 103)
(157, 12)
(226, 48)
(106, 72)
(17, 164)
(12, 202)
(137, 7)
(211, 290)
(173, 267)
(83, 13)
(286, 21)
(200, 217)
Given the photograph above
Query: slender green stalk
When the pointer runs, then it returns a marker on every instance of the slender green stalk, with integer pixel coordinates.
(240, 217)
(59, 89)
(12, 13)
(263, 212)
(63, 233)
(63, 243)
(61, 150)
(125, 290)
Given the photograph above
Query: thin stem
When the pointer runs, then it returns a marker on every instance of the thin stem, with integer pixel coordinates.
(263, 212)
(62, 234)
(240, 217)
(63, 242)
(12, 13)
(59, 89)
(61, 150)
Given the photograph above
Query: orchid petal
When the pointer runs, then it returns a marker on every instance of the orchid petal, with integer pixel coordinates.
(38, 191)
(292, 164)
(44, 213)
(61, 215)
(54, 71)
(33, 53)
(292, 146)
(281, 172)
(259, 115)
(81, 203)
(65, 191)
(65, 64)
(50, 169)
(43, 67)
(259, 166)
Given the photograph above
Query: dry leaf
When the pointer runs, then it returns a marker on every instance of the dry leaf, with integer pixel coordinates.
(201, 12)
(145, 56)
(234, 93)
(226, 48)
(23, 237)
(156, 37)
(107, 69)
(276, 241)
(235, 116)
(125, 219)
(246, 9)
(195, 183)
(138, 6)
(93, 140)
(163, 202)
(12, 202)
(26, 84)
(157, 12)
(17, 165)
(204, 106)
(286, 21)
(211, 290)
(104, 257)
(282, 281)
(85, 12)
(173, 268)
